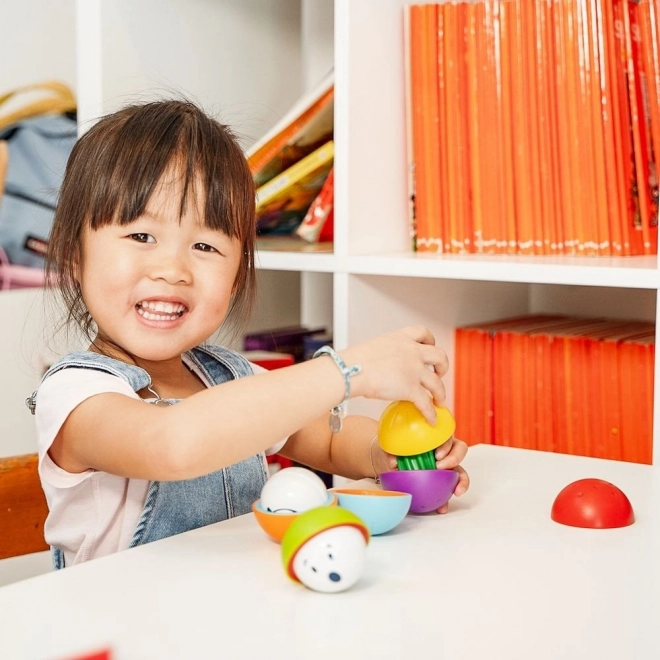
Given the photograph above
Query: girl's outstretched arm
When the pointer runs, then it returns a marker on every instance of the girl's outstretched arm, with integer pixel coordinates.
(353, 453)
(227, 423)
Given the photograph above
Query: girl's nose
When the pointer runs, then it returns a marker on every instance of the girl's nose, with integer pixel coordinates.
(171, 265)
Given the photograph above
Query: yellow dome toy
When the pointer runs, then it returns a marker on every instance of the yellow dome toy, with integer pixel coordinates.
(404, 432)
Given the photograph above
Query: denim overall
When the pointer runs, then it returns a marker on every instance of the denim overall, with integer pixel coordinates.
(173, 507)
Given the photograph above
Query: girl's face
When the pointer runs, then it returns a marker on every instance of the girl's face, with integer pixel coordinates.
(162, 284)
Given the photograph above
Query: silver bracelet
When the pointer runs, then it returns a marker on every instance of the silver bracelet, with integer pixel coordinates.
(338, 413)
(371, 456)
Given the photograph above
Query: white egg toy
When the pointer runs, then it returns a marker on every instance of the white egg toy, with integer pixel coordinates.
(325, 549)
(293, 490)
(331, 561)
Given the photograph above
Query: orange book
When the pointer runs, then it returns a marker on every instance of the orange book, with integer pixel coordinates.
(599, 384)
(422, 21)
(625, 150)
(590, 238)
(641, 151)
(507, 231)
(520, 136)
(555, 214)
(600, 216)
(650, 42)
(307, 124)
(452, 90)
(619, 409)
(540, 54)
(575, 244)
(476, 145)
(533, 122)
(431, 151)
(609, 112)
(489, 216)
(563, 158)
(465, 409)
(464, 116)
(443, 145)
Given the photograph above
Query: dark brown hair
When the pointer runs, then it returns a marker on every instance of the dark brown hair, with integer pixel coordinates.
(114, 169)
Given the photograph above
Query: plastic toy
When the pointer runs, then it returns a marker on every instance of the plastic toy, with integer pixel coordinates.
(404, 432)
(430, 489)
(325, 549)
(381, 510)
(276, 524)
(592, 503)
(293, 490)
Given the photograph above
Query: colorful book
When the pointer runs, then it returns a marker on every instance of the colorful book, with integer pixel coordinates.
(283, 202)
(311, 228)
(308, 124)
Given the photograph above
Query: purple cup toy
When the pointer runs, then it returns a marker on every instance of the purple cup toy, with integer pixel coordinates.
(430, 489)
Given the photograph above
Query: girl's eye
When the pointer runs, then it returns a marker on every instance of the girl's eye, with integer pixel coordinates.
(142, 238)
(204, 247)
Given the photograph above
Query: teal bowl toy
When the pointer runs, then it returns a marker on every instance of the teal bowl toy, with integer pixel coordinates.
(381, 510)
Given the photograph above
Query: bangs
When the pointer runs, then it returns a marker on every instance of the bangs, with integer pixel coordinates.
(144, 148)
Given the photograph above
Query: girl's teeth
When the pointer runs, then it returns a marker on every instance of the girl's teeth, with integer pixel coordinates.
(160, 310)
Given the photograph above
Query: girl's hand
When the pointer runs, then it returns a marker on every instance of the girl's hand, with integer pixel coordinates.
(401, 365)
(448, 457)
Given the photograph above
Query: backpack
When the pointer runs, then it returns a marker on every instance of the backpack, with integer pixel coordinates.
(35, 142)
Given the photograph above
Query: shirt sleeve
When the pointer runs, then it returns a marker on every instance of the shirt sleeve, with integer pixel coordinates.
(57, 397)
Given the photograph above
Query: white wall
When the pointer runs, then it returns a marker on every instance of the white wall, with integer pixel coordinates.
(38, 42)
(241, 59)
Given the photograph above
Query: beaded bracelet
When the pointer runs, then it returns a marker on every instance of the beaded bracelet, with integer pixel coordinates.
(338, 413)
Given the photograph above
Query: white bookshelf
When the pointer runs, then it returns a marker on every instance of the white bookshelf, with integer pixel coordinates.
(379, 283)
(250, 61)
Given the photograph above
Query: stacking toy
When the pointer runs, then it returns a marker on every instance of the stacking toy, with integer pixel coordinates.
(293, 490)
(404, 432)
(592, 503)
(325, 549)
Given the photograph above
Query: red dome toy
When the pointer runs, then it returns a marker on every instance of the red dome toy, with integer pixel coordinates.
(592, 503)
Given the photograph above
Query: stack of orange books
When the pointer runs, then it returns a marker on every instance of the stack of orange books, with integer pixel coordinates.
(557, 383)
(534, 127)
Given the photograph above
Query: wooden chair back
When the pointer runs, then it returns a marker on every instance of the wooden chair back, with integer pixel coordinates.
(23, 507)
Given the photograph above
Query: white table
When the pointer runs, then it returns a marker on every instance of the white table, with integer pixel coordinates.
(494, 579)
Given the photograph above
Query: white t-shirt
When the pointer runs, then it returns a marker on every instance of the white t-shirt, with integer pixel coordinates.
(91, 513)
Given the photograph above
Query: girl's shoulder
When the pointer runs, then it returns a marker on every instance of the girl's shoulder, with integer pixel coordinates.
(214, 358)
(137, 377)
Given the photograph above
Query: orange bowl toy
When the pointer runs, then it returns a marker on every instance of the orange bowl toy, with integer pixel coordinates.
(276, 524)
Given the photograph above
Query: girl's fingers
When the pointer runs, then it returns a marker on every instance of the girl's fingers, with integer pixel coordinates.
(461, 487)
(434, 387)
(420, 334)
(463, 481)
(452, 456)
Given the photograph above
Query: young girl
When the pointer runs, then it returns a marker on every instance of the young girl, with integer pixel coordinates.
(151, 251)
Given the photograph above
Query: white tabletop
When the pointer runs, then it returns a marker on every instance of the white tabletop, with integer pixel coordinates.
(493, 579)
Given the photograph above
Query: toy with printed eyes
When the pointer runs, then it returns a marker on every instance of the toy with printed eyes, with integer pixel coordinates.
(293, 490)
(325, 549)
(404, 432)
(285, 496)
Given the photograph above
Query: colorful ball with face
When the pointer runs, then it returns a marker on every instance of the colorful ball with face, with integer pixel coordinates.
(331, 561)
(325, 549)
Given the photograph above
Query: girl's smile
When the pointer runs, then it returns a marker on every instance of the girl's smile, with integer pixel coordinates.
(160, 310)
